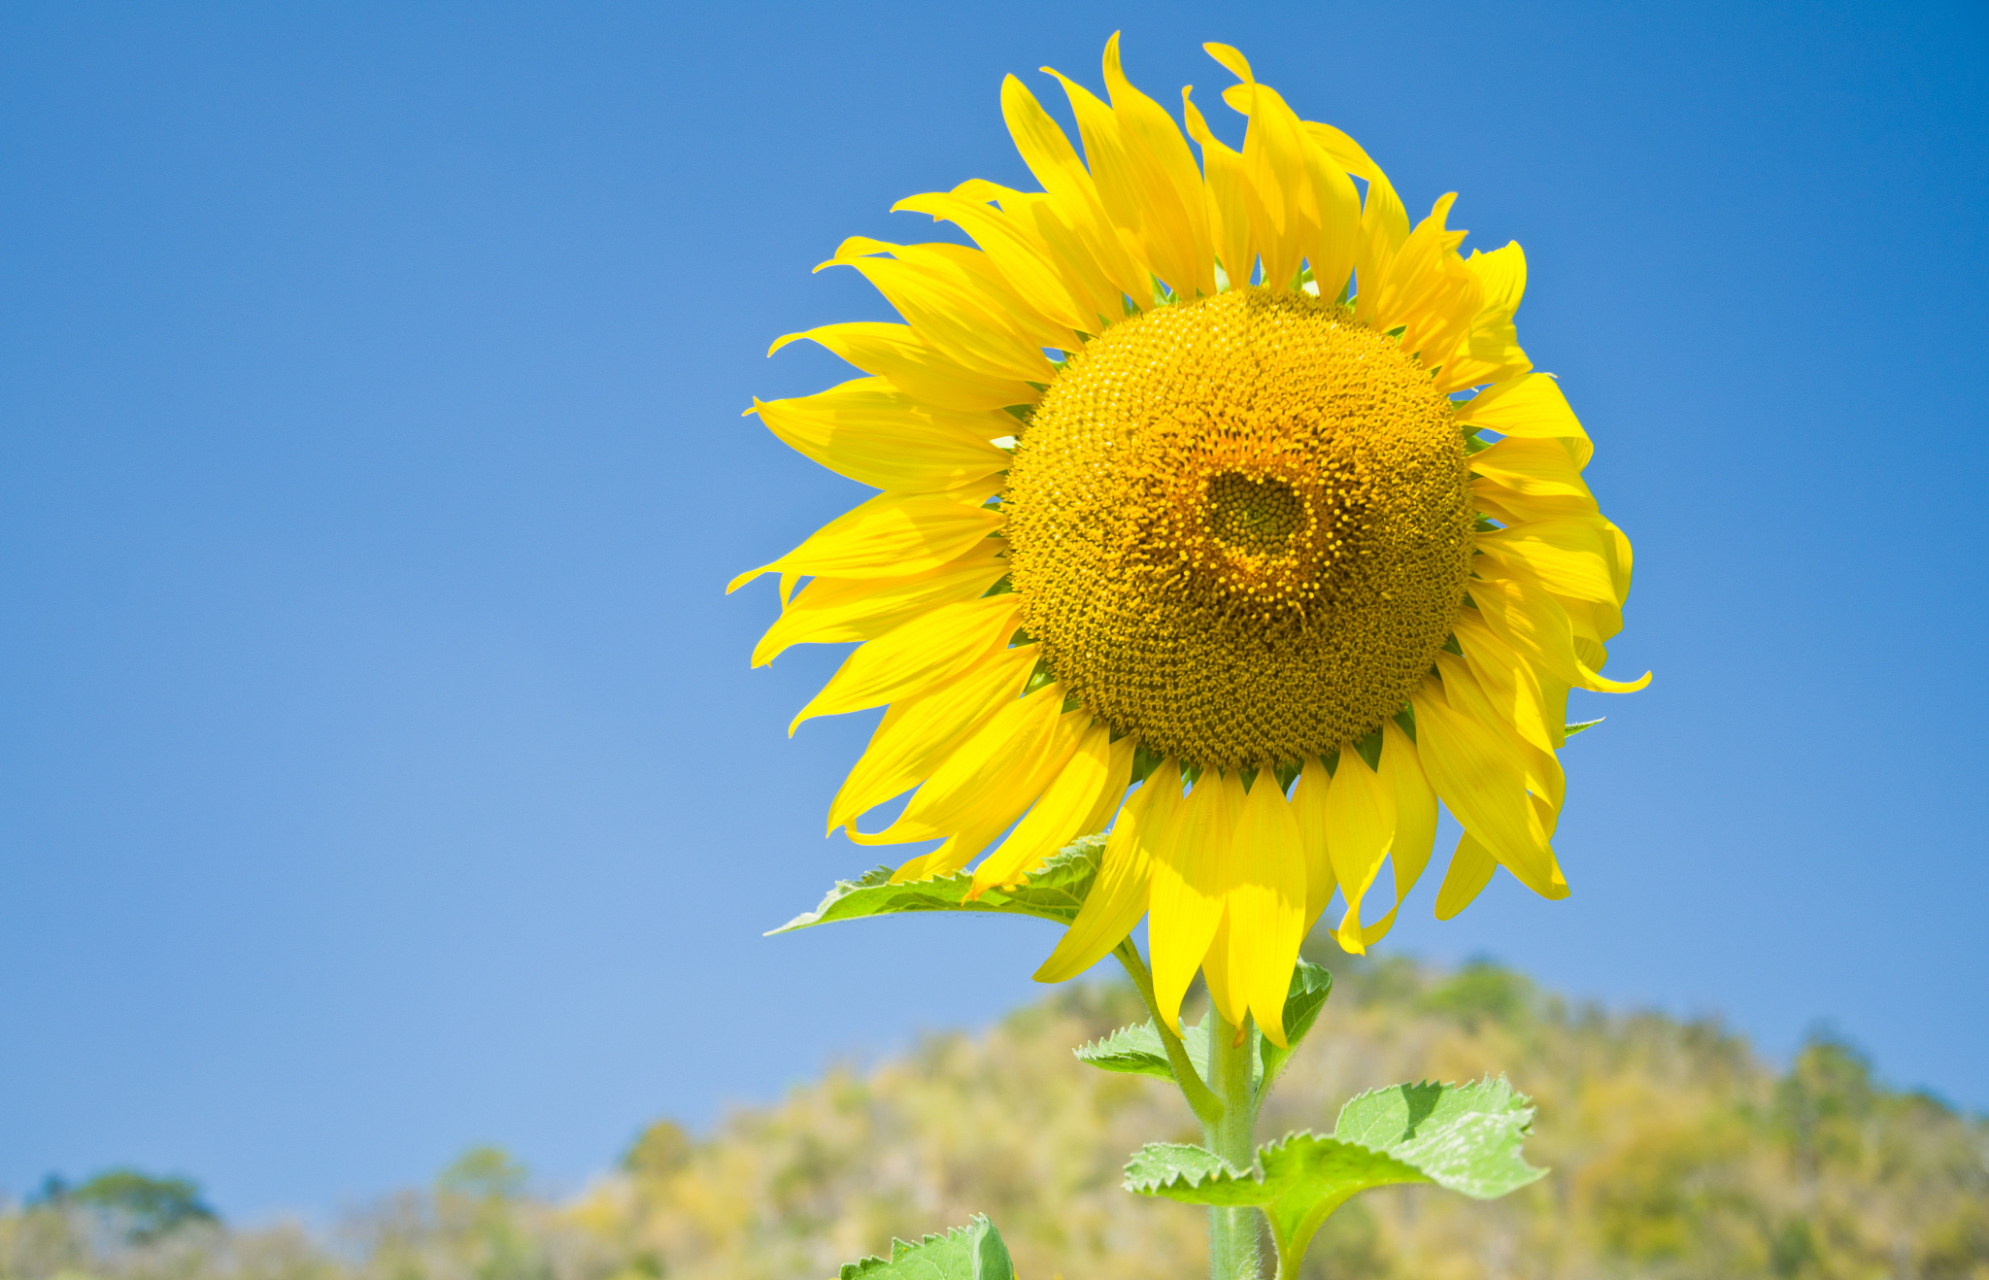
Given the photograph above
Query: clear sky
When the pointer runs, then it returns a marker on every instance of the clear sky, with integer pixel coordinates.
(380, 767)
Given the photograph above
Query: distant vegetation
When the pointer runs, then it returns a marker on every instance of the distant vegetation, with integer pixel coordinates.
(1676, 1153)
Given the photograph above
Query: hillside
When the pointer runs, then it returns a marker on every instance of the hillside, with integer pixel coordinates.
(1676, 1153)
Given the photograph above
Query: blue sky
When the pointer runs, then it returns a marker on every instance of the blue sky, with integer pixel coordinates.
(380, 769)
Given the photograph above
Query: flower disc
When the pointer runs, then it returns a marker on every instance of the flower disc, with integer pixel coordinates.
(1240, 527)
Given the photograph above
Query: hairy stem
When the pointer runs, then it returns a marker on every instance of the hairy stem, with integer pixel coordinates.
(1206, 1106)
(1233, 1232)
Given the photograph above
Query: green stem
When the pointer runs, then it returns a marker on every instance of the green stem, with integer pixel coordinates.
(1206, 1106)
(1227, 1110)
(1233, 1233)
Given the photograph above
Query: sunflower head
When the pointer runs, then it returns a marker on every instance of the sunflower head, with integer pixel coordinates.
(1221, 483)
(1240, 527)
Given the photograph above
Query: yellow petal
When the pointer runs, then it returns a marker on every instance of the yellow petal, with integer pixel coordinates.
(1231, 58)
(1097, 292)
(916, 656)
(1120, 766)
(1016, 310)
(1068, 185)
(1490, 352)
(1548, 785)
(1620, 561)
(1481, 776)
(1110, 169)
(1225, 991)
(972, 317)
(1119, 895)
(875, 434)
(1511, 683)
(1573, 557)
(1530, 407)
(1415, 822)
(1540, 773)
(1098, 771)
(1503, 272)
(1527, 617)
(1163, 174)
(1190, 878)
(1229, 199)
(1494, 498)
(1348, 154)
(918, 867)
(1310, 209)
(891, 536)
(1543, 471)
(1015, 250)
(1277, 189)
(1471, 869)
(1426, 289)
(1267, 899)
(917, 734)
(1333, 231)
(995, 773)
(1415, 803)
(954, 853)
(835, 610)
(1496, 502)
(1308, 803)
(916, 367)
(1384, 231)
(1360, 825)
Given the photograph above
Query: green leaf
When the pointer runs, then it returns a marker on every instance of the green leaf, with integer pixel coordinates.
(972, 1252)
(1193, 1175)
(1570, 731)
(1134, 1050)
(1054, 892)
(1310, 985)
(1463, 1137)
(1137, 1050)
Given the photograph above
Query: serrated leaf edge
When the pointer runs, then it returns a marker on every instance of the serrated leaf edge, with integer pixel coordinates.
(1225, 1171)
(1519, 1116)
(900, 1248)
(1092, 1050)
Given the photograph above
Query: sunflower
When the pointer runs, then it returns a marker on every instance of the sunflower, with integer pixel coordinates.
(1222, 485)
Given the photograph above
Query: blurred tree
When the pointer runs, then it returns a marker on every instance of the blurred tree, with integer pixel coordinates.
(1677, 1155)
(54, 1189)
(138, 1206)
(477, 1205)
(1482, 990)
(658, 1151)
